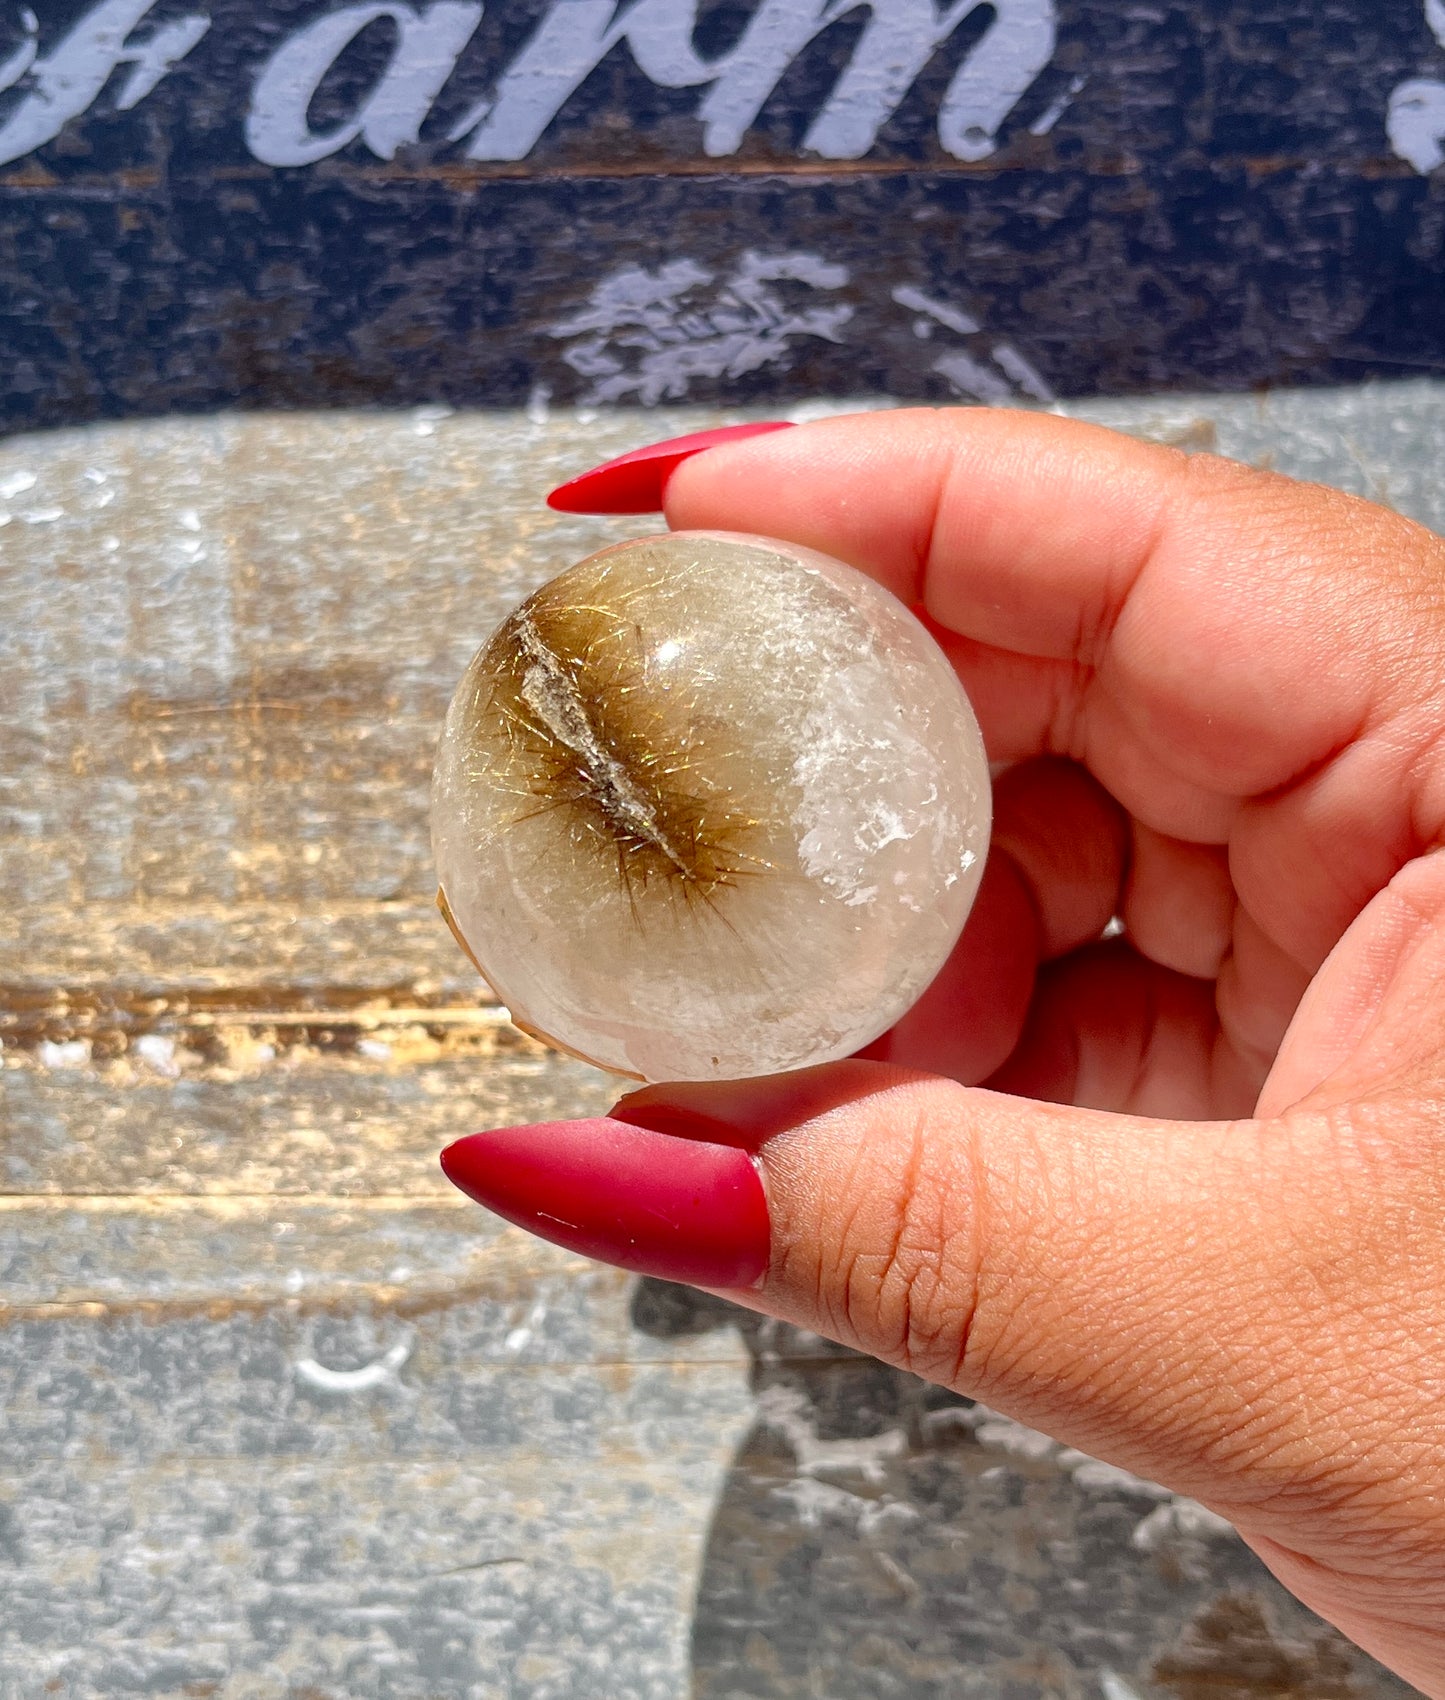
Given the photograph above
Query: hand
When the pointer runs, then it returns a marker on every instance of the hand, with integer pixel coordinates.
(1176, 1197)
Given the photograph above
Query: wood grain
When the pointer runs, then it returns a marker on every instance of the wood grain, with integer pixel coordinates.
(1173, 195)
(285, 1417)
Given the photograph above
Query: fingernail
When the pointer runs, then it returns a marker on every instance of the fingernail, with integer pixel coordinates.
(634, 483)
(680, 1209)
(751, 1112)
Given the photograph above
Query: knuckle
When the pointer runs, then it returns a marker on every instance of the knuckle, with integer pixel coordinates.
(907, 1278)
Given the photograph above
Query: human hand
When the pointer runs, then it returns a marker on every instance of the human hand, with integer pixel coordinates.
(1176, 1197)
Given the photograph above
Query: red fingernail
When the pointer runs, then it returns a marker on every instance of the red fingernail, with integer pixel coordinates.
(634, 483)
(680, 1209)
(751, 1112)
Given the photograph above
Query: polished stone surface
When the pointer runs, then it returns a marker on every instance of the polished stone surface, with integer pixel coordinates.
(709, 806)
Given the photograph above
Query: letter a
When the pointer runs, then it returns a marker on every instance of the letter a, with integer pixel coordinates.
(430, 42)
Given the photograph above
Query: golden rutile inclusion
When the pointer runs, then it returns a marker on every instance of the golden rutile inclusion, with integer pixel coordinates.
(708, 806)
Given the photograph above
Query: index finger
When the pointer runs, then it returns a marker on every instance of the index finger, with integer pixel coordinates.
(1020, 530)
(1236, 656)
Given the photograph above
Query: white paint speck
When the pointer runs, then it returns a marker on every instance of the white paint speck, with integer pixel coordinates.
(1028, 378)
(971, 377)
(1415, 118)
(1178, 1517)
(520, 1337)
(375, 1374)
(1014, 1438)
(1098, 1477)
(951, 318)
(158, 1054)
(1415, 123)
(1055, 110)
(64, 1053)
(1113, 1687)
(424, 420)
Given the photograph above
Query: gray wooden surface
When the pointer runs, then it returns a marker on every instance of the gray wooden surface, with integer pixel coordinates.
(280, 1414)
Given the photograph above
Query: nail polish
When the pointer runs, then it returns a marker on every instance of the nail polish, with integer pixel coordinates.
(634, 483)
(678, 1209)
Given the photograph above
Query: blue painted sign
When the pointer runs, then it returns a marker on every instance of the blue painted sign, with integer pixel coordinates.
(266, 202)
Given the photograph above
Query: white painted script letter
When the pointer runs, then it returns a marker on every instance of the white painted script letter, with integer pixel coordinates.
(1415, 120)
(70, 77)
(569, 44)
(24, 56)
(900, 38)
(996, 75)
(429, 42)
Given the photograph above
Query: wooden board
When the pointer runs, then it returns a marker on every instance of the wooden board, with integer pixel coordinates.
(297, 203)
(282, 1416)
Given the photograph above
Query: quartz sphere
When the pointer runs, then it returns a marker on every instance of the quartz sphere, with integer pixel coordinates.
(708, 806)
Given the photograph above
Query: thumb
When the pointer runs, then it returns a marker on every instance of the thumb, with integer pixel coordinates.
(1246, 1312)
(1181, 1299)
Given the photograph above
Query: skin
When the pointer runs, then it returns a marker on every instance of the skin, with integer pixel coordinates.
(1178, 1197)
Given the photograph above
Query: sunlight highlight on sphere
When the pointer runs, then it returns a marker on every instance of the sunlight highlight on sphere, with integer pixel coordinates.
(709, 806)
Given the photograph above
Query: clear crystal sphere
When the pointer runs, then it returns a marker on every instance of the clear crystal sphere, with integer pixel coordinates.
(708, 806)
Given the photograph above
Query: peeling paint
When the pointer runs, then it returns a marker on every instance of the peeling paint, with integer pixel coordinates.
(684, 335)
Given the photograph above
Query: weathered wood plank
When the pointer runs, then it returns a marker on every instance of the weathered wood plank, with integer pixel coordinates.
(220, 641)
(215, 645)
(105, 955)
(164, 1257)
(277, 1126)
(283, 1503)
(483, 1576)
(299, 205)
(287, 1380)
(284, 1416)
